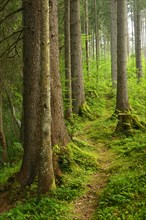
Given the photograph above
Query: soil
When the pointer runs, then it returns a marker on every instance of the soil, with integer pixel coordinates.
(85, 206)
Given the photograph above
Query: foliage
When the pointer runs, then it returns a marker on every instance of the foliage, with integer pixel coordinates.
(35, 209)
(7, 171)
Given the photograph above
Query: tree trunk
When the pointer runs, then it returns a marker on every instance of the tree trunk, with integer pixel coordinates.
(2, 135)
(144, 49)
(31, 91)
(67, 58)
(58, 129)
(87, 36)
(122, 104)
(144, 41)
(96, 34)
(76, 57)
(132, 28)
(114, 42)
(137, 25)
(46, 180)
(93, 44)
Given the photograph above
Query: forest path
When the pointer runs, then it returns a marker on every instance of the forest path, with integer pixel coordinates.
(85, 206)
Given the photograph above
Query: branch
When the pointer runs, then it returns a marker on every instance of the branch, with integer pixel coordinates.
(2, 8)
(16, 32)
(9, 15)
(13, 45)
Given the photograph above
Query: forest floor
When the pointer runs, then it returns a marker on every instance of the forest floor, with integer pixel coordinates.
(85, 206)
(114, 189)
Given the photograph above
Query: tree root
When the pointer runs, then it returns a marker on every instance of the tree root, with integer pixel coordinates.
(127, 122)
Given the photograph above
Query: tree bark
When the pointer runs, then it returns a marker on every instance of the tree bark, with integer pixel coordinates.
(122, 104)
(2, 135)
(87, 36)
(76, 57)
(137, 25)
(31, 91)
(67, 56)
(96, 34)
(114, 42)
(46, 180)
(59, 133)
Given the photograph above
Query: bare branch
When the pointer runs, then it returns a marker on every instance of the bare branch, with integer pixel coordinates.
(16, 32)
(12, 46)
(9, 15)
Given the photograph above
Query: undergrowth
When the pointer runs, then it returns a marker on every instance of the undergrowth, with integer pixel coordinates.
(125, 195)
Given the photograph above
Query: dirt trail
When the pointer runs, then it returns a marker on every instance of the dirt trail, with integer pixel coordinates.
(85, 206)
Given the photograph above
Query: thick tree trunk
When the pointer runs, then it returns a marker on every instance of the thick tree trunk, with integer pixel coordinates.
(46, 180)
(76, 57)
(58, 129)
(31, 93)
(67, 58)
